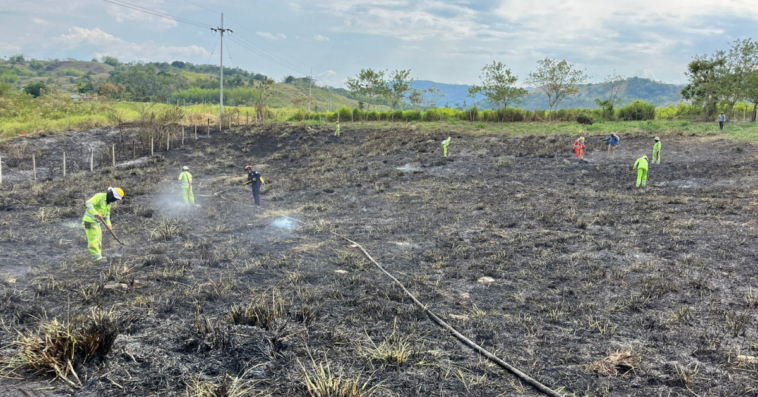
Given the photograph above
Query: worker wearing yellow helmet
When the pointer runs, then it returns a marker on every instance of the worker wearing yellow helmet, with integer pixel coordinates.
(99, 212)
(579, 147)
(186, 180)
(657, 151)
(641, 166)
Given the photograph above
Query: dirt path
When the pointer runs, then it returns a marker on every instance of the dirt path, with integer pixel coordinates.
(582, 264)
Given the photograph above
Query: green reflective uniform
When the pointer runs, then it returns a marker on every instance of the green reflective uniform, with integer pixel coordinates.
(657, 153)
(641, 166)
(189, 196)
(337, 131)
(97, 205)
(445, 144)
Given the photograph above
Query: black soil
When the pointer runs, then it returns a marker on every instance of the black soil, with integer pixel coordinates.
(584, 265)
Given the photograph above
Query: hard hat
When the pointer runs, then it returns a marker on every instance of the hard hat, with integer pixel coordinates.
(248, 167)
(185, 168)
(657, 139)
(581, 138)
(644, 157)
(118, 193)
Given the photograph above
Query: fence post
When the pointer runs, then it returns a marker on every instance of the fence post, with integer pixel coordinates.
(152, 146)
(134, 150)
(231, 116)
(64, 164)
(168, 141)
(34, 166)
(209, 127)
(195, 131)
(1, 170)
(247, 118)
(92, 160)
(182, 135)
(113, 154)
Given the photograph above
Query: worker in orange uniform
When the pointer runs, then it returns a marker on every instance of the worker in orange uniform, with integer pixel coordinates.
(579, 147)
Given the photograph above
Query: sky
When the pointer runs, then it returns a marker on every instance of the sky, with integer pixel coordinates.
(447, 41)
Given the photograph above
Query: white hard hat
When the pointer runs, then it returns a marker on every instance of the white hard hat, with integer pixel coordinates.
(185, 168)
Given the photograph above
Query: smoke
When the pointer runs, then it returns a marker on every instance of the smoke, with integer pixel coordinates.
(285, 223)
(170, 203)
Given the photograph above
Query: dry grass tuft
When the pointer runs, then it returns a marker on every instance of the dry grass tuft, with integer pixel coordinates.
(393, 350)
(262, 313)
(321, 381)
(57, 349)
(620, 363)
(230, 387)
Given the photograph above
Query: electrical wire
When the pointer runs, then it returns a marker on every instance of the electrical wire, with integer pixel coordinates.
(292, 57)
(265, 55)
(272, 56)
(203, 7)
(157, 13)
(214, 48)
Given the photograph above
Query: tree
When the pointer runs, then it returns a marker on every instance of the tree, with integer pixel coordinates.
(740, 62)
(416, 97)
(36, 65)
(36, 89)
(300, 101)
(704, 88)
(615, 84)
(397, 87)
(289, 79)
(498, 85)
(113, 61)
(368, 82)
(16, 59)
(752, 93)
(557, 80)
(435, 95)
(264, 87)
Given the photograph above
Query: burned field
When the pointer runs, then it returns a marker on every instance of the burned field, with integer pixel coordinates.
(559, 267)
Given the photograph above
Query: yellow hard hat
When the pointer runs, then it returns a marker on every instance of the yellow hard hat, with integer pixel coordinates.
(657, 138)
(581, 138)
(644, 157)
(118, 193)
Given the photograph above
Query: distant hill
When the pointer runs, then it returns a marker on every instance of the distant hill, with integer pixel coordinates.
(660, 94)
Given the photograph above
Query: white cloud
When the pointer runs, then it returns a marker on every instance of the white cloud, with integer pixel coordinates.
(123, 14)
(411, 47)
(271, 36)
(328, 73)
(125, 50)
(40, 21)
(321, 38)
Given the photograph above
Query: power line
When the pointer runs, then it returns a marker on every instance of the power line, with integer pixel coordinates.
(272, 56)
(245, 44)
(297, 60)
(203, 7)
(157, 13)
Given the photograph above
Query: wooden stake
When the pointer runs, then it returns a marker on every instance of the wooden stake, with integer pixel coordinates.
(168, 142)
(64, 164)
(195, 131)
(1, 170)
(209, 127)
(34, 166)
(152, 147)
(134, 150)
(92, 160)
(182, 135)
(113, 154)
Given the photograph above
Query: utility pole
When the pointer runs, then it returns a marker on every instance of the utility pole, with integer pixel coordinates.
(310, 89)
(221, 71)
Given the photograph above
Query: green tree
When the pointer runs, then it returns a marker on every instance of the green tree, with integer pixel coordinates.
(264, 87)
(17, 59)
(397, 87)
(36, 65)
(369, 82)
(113, 61)
(36, 89)
(704, 89)
(557, 80)
(615, 85)
(752, 93)
(740, 62)
(498, 85)
(416, 97)
(435, 95)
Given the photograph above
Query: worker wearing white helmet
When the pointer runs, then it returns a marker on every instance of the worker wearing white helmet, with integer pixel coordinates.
(99, 212)
(186, 180)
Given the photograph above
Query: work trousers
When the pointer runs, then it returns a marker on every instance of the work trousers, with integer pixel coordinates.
(189, 196)
(579, 153)
(257, 193)
(94, 240)
(611, 149)
(721, 125)
(641, 177)
(444, 151)
(656, 156)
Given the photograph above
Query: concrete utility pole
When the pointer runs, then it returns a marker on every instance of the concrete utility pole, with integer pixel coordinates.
(221, 71)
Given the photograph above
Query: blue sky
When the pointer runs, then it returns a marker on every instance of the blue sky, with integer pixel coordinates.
(441, 40)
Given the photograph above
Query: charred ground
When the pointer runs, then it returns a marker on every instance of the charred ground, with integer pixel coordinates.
(584, 266)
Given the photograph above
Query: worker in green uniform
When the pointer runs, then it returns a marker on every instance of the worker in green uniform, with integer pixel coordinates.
(445, 144)
(99, 211)
(657, 151)
(641, 166)
(337, 131)
(186, 180)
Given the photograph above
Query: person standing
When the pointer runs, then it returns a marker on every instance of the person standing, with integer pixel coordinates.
(255, 179)
(641, 166)
(722, 120)
(579, 147)
(613, 142)
(186, 180)
(99, 212)
(445, 144)
(657, 151)
(337, 131)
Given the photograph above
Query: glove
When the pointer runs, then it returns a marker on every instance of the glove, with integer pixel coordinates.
(110, 228)
(100, 218)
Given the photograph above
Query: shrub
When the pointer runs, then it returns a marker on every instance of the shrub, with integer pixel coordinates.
(585, 119)
(637, 110)
(345, 114)
(412, 115)
(36, 89)
(373, 116)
